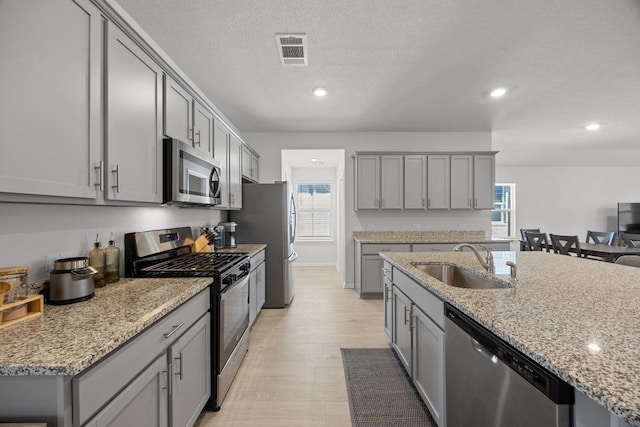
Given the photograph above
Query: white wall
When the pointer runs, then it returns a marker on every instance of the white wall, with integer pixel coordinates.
(269, 144)
(570, 199)
(37, 234)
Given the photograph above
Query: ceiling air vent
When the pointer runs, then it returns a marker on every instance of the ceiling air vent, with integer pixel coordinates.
(292, 48)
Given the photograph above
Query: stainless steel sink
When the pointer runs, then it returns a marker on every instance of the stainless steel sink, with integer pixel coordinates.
(459, 277)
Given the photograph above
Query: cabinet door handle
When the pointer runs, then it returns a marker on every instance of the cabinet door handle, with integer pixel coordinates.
(411, 322)
(173, 331)
(387, 297)
(383, 203)
(406, 310)
(99, 171)
(198, 135)
(116, 171)
(377, 204)
(429, 202)
(179, 374)
(469, 204)
(423, 202)
(476, 203)
(190, 135)
(167, 378)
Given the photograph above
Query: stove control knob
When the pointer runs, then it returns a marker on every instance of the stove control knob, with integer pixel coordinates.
(229, 279)
(245, 267)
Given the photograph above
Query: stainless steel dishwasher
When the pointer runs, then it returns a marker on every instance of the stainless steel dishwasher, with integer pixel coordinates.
(491, 384)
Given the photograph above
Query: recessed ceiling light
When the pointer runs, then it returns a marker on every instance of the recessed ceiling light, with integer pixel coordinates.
(320, 91)
(313, 160)
(592, 126)
(498, 92)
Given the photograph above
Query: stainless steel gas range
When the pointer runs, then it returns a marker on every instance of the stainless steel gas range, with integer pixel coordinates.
(170, 253)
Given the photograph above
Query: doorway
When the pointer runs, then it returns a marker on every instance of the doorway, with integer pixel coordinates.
(317, 176)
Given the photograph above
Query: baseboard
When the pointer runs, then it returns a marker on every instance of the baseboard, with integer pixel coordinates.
(347, 285)
(316, 264)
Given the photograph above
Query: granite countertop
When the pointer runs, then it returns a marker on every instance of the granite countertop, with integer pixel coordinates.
(243, 248)
(425, 236)
(578, 318)
(67, 339)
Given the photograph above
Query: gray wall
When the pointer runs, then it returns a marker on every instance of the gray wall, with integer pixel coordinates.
(37, 234)
(270, 144)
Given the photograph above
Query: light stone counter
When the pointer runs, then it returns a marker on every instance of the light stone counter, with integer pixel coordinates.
(67, 339)
(579, 318)
(425, 236)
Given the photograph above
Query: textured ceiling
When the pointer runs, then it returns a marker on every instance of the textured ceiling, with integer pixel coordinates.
(415, 65)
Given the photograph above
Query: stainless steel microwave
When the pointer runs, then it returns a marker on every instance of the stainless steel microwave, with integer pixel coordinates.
(189, 176)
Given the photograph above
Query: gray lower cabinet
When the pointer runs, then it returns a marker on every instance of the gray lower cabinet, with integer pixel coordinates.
(402, 327)
(141, 403)
(368, 268)
(387, 283)
(418, 338)
(428, 362)
(257, 291)
(189, 360)
(161, 377)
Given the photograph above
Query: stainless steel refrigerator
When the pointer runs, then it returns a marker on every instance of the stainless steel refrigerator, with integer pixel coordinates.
(268, 216)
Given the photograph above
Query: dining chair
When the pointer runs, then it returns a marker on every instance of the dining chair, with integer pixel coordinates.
(565, 245)
(524, 246)
(537, 241)
(602, 237)
(632, 260)
(631, 240)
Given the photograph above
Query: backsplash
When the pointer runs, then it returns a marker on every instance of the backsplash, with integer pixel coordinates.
(38, 234)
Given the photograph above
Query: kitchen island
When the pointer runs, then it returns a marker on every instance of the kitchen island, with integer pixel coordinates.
(368, 244)
(44, 358)
(575, 317)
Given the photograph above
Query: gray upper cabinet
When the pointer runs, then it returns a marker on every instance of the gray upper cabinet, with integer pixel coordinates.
(461, 181)
(202, 128)
(50, 102)
(250, 165)
(134, 129)
(178, 111)
(483, 181)
(438, 181)
(235, 172)
(392, 182)
(220, 152)
(415, 182)
(367, 182)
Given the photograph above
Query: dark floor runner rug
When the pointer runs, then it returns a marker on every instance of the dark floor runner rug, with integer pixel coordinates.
(380, 392)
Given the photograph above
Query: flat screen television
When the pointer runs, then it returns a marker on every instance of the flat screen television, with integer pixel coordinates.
(629, 218)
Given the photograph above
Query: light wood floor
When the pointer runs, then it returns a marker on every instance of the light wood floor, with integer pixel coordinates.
(293, 373)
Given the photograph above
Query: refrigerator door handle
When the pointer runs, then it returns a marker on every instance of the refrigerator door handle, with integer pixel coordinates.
(293, 256)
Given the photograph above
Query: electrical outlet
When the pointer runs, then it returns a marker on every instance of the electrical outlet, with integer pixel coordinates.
(462, 226)
(416, 227)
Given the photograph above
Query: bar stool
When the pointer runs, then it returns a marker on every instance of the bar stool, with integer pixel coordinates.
(524, 246)
(537, 241)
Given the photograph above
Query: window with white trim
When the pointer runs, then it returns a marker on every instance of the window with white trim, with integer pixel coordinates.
(314, 203)
(503, 215)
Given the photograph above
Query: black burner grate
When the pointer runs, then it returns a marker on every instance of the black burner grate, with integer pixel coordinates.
(195, 265)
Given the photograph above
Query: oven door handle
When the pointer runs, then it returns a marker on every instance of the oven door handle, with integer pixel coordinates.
(237, 284)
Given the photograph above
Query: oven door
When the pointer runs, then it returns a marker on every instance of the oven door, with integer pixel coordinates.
(190, 177)
(233, 319)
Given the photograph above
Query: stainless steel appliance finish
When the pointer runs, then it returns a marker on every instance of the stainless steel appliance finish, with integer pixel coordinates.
(490, 384)
(71, 280)
(268, 216)
(189, 177)
(229, 234)
(169, 253)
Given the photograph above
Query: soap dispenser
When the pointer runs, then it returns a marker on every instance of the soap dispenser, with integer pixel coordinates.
(97, 260)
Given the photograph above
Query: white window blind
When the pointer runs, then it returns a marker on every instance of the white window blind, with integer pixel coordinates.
(503, 215)
(314, 201)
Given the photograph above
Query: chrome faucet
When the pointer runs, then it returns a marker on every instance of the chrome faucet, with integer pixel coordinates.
(487, 262)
